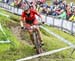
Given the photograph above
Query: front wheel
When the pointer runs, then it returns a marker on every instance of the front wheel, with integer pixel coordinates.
(37, 42)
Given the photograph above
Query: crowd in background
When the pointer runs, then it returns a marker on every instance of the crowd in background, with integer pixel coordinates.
(20, 3)
(58, 8)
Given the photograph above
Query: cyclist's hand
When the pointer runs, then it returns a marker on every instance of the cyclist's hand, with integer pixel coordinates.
(43, 22)
(22, 27)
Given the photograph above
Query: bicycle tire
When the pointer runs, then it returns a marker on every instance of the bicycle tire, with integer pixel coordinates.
(37, 42)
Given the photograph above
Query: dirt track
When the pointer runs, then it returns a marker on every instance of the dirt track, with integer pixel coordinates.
(20, 34)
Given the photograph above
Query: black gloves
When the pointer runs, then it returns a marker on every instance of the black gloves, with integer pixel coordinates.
(43, 22)
(22, 27)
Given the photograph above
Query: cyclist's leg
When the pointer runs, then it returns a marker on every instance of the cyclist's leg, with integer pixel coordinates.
(37, 28)
(39, 33)
(31, 36)
(30, 32)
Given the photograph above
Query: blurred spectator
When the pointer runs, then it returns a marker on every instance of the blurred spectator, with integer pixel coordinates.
(56, 11)
(55, 2)
(17, 3)
(12, 4)
(41, 1)
(32, 5)
(62, 6)
(72, 18)
(23, 5)
(65, 4)
(44, 10)
(71, 4)
(5, 1)
(59, 8)
(68, 11)
(60, 1)
(62, 14)
(49, 11)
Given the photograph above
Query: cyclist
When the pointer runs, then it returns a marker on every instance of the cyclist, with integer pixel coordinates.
(28, 19)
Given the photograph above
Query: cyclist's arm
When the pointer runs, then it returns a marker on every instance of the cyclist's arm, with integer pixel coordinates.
(40, 17)
(22, 21)
(35, 12)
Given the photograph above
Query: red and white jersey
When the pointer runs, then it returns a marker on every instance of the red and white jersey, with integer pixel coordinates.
(32, 15)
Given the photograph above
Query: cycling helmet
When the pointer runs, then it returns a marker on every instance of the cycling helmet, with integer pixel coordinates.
(26, 7)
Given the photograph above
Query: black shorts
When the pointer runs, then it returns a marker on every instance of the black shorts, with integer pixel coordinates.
(29, 21)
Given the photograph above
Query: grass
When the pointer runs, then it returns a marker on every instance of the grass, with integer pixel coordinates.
(12, 16)
(61, 33)
(16, 50)
(64, 35)
(51, 41)
(8, 52)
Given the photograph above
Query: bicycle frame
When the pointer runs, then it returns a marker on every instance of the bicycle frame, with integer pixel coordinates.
(36, 38)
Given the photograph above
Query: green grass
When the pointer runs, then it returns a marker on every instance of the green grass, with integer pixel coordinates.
(12, 16)
(52, 42)
(56, 43)
(15, 49)
(61, 33)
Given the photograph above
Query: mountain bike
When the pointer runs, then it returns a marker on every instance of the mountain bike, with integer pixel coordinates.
(36, 39)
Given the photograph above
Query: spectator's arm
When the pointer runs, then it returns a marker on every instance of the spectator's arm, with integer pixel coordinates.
(62, 16)
(22, 19)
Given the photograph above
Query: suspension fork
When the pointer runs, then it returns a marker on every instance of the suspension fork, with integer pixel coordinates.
(39, 33)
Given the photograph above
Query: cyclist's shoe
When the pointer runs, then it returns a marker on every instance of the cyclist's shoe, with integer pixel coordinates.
(22, 27)
(43, 22)
(34, 47)
(42, 43)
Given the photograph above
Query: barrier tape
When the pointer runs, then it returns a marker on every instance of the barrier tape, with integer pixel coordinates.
(4, 15)
(7, 41)
(57, 36)
(44, 54)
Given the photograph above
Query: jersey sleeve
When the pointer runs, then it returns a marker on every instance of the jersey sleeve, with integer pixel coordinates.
(35, 12)
(22, 16)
